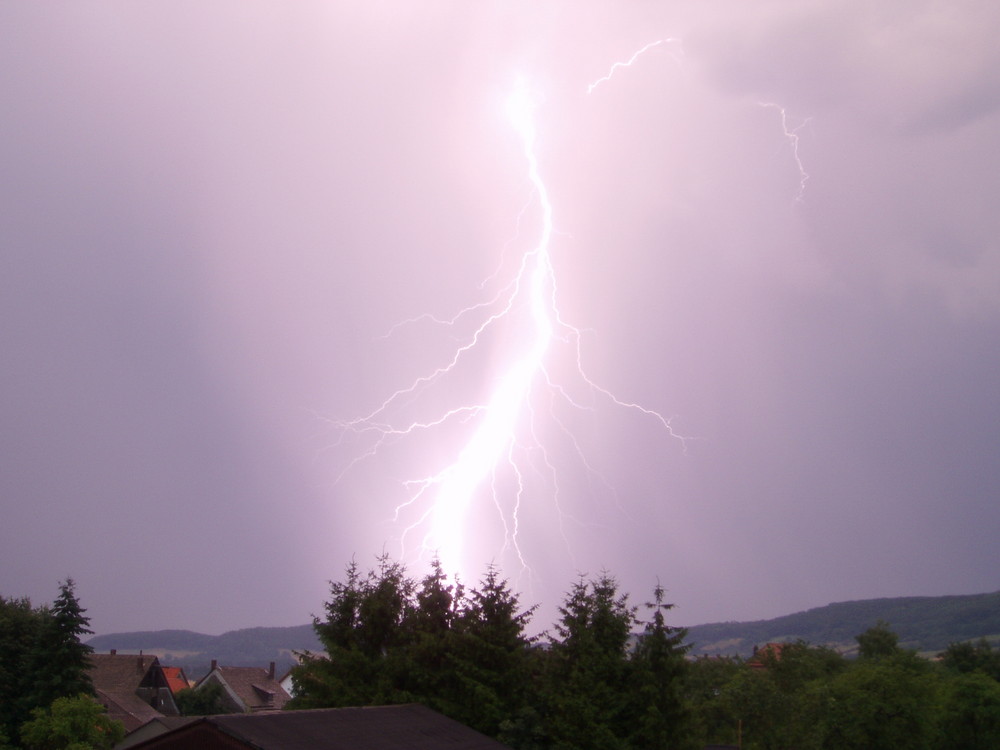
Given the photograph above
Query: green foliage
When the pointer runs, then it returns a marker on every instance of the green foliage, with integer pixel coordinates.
(41, 656)
(966, 657)
(76, 723)
(879, 703)
(464, 652)
(703, 685)
(207, 700)
(970, 713)
(588, 678)
(390, 640)
(659, 715)
(21, 628)
(878, 642)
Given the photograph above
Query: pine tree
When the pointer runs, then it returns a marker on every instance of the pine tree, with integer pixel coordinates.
(587, 685)
(492, 653)
(60, 661)
(362, 634)
(660, 717)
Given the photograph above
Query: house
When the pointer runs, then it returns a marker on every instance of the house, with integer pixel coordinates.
(406, 727)
(132, 687)
(247, 689)
(287, 684)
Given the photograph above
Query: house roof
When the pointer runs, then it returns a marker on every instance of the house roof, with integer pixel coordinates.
(128, 708)
(118, 681)
(176, 679)
(120, 673)
(406, 727)
(154, 728)
(254, 686)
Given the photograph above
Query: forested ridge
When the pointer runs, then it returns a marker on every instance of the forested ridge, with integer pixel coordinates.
(923, 623)
(926, 623)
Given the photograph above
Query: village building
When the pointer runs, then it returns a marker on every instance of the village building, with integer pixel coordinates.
(132, 687)
(247, 689)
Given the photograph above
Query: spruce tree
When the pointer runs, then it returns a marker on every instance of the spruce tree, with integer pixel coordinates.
(659, 716)
(60, 661)
(588, 682)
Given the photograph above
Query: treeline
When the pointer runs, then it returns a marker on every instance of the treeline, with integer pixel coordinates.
(391, 639)
(46, 696)
(589, 684)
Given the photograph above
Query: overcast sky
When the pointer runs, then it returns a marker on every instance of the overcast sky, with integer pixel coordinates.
(777, 228)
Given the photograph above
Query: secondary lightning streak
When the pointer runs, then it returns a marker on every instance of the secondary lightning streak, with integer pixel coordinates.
(627, 63)
(793, 138)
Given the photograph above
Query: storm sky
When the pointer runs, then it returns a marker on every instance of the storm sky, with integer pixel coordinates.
(779, 229)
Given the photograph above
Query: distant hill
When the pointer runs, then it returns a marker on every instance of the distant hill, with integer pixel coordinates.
(924, 623)
(250, 647)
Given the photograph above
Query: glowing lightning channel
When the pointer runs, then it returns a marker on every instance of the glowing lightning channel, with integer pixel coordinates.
(442, 500)
(492, 440)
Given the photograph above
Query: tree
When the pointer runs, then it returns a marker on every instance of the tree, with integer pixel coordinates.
(661, 718)
(879, 703)
(970, 714)
(362, 634)
(21, 627)
(705, 679)
(492, 657)
(588, 687)
(421, 666)
(754, 706)
(966, 657)
(71, 723)
(60, 660)
(877, 642)
(207, 700)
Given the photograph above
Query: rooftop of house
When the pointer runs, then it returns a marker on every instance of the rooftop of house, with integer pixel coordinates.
(128, 708)
(256, 687)
(131, 686)
(405, 727)
(119, 673)
(176, 679)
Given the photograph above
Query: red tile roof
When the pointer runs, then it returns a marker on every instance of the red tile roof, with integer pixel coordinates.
(176, 679)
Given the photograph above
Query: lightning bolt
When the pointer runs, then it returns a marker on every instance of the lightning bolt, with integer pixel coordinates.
(628, 63)
(504, 430)
(504, 436)
(793, 138)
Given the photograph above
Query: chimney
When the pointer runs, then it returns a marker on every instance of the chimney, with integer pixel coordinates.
(114, 651)
(215, 664)
(270, 671)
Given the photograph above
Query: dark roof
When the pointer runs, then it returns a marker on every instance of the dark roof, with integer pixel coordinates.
(255, 686)
(407, 727)
(120, 673)
(117, 679)
(153, 728)
(128, 708)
